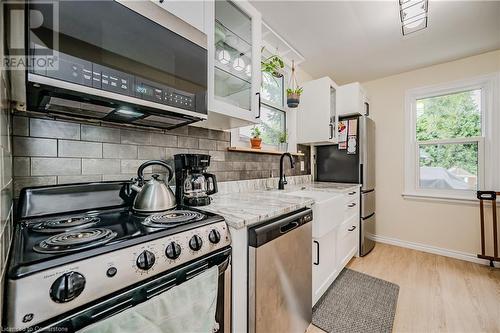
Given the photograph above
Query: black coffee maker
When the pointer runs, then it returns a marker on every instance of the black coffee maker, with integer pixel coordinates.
(193, 184)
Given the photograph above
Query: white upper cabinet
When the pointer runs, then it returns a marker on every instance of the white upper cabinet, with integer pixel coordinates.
(234, 55)
(352, 100)
(192, 12)
(317, 117)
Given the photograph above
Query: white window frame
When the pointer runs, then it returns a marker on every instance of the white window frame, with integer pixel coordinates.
(488, 154)
(240, 140)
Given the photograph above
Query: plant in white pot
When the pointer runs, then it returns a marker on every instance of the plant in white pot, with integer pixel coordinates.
(283, 141)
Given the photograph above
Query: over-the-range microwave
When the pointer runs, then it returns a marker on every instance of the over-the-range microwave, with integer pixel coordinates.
(117, 61)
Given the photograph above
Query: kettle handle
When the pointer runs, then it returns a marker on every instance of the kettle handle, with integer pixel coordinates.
(214, 182)
(140, 171)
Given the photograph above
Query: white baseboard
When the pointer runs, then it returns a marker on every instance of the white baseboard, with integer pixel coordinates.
(431, 249)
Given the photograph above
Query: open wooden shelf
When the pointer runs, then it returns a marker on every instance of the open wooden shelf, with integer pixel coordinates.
(260, 151)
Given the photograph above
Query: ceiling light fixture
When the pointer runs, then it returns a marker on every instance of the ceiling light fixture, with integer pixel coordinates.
(413, 14)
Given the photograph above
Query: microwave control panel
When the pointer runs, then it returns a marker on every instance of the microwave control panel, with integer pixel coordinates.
(75, 70)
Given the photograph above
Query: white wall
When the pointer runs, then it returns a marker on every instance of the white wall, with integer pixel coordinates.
(451, 226)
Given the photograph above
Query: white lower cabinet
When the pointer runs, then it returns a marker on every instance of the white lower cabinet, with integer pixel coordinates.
(324, 269)
(333, 250)
(347, 240)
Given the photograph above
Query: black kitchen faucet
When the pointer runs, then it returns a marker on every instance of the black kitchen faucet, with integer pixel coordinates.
(282, 182)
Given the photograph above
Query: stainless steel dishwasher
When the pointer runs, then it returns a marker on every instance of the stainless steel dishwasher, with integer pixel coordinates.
(280, 274)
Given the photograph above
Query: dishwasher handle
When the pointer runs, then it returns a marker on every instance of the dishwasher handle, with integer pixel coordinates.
(288, 227)
(272, 229)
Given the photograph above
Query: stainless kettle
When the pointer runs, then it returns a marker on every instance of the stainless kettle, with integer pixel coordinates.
(153, 195)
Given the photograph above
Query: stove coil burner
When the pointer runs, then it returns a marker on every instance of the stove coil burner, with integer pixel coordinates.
(75, 240)
(172, 218)
(65, 224)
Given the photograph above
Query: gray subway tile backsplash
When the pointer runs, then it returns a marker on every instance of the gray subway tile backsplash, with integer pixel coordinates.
(69, 148)
(131, 166)
(78, 179)
(57, 152)
(100, 134)
(43, 166)
(47, 128)
(135, 137)
(150, 153)
(22, 166)
(115, 150)
(105, 166)
(20, 126)
(208, 144)
(165, 140)
(188, 142)
(21, 182)
(25, 146)
(222, 145)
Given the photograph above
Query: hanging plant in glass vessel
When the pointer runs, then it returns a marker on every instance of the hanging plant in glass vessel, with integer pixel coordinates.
(293, 91)
(273, 65)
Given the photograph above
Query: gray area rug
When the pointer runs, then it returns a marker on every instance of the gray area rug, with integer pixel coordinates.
(356, 302)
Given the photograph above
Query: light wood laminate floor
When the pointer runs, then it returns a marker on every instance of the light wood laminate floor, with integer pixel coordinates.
(437, 294)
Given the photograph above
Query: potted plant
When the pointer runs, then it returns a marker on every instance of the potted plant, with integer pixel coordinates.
(293, 96)
(256, 140)
(273, 65)
(283, 141)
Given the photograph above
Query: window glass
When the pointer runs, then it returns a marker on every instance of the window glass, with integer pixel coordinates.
(272, 125)
(272, 89)
(449, 166)
(456, 115)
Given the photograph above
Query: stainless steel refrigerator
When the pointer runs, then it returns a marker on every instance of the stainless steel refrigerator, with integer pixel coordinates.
(340, 166)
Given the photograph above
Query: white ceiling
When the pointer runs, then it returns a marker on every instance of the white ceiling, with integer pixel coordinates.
(362, 40)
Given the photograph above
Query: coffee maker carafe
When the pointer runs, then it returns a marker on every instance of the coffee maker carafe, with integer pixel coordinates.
(193, 184)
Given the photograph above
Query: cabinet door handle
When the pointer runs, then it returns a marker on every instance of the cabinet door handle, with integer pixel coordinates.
(352, 228)
(331, 130)
(352, 193)
(260, 103)
(317, 253)
(351, 205)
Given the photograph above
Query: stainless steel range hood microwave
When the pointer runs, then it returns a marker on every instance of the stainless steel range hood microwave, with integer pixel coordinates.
(118, 61)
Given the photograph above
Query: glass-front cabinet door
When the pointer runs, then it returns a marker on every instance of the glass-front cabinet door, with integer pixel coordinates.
(234, 63)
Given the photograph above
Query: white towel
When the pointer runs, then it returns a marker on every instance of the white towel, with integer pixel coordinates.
(187, 308)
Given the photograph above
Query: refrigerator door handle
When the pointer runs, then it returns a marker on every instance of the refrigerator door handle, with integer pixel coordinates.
(331, 130)
(361, 173)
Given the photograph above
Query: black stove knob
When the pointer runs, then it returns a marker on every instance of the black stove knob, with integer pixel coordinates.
(67, 287)
(195, 243)
(145, 260)
(173, 250)
(214, 236)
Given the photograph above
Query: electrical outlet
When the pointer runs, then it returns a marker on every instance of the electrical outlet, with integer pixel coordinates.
(302, 166)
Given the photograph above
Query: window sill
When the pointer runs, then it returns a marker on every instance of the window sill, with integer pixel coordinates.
(441, 198)
(260, 151)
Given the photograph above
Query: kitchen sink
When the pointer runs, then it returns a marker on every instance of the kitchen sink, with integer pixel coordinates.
(328, 209)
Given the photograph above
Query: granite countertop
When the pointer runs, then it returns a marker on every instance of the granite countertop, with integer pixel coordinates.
(324, 186)
(245, 209)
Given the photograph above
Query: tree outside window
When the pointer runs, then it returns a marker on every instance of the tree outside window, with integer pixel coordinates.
(448, 131)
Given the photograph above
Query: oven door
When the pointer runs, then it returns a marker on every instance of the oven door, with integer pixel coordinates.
(128, 298)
